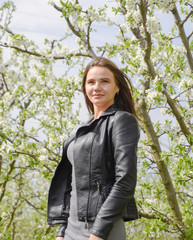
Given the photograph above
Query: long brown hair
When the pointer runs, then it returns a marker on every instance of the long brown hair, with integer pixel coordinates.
(124, 98)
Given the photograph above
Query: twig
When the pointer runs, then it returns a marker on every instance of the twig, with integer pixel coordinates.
(190, 35)
(3, 77)
(183, 92)
(187, 17)
(43, 56)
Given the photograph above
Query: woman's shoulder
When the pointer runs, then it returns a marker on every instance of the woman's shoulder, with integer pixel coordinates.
(124, 115)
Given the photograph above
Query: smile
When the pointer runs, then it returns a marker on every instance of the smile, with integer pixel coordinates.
(97, 95)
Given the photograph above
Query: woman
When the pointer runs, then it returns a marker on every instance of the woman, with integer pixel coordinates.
(92, 191)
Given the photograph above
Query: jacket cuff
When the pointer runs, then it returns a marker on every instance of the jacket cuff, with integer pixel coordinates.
(102, 229)
(61, 230)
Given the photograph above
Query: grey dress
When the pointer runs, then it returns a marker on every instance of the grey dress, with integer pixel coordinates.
(75, 229)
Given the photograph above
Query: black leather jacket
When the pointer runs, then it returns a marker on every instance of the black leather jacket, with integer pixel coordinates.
(105, 164)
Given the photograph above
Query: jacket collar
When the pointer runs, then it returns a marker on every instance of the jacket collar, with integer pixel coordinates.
(109, 111)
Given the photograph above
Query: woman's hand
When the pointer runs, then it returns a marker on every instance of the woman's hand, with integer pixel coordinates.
(93, 237)
(59, 238)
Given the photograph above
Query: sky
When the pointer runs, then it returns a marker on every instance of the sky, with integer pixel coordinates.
(37, 20)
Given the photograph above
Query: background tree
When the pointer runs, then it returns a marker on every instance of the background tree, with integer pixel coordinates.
(37, 113)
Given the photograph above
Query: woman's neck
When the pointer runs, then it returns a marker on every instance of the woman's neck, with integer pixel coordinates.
(97, 114)
(99, 110)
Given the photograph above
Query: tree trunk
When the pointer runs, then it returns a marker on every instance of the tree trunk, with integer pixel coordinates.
(162, 168)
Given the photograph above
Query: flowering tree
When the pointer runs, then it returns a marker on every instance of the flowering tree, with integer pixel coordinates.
(36, 112)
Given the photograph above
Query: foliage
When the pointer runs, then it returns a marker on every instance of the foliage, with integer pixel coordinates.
(37, 114)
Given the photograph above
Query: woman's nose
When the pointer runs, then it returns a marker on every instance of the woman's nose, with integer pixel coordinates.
(97, 86)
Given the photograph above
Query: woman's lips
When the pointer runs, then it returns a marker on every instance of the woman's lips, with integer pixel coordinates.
(97, 95)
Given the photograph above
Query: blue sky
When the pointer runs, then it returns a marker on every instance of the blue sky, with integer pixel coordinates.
(37, 20)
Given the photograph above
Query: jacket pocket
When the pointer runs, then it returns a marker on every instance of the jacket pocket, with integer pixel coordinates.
(99, 203)
(103, 192)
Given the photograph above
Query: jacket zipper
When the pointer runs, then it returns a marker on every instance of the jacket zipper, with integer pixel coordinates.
(86, 218)
(98, 186)
(86, 223)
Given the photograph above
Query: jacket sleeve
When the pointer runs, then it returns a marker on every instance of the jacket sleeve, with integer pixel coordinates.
(125, 135)
(61, 230)
(59, 192)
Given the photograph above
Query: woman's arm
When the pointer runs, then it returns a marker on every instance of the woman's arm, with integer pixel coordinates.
(92, 237)
(61, 232)
(125, 135)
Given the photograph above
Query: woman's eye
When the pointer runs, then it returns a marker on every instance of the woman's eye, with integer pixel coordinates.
(105, 81)
(90, 82)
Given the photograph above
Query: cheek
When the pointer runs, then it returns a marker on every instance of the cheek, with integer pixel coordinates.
(87, 90)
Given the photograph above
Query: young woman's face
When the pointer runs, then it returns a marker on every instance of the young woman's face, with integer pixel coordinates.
(100, 86)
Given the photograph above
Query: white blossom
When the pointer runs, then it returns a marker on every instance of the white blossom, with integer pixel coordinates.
(130, 4)
(163, 111)
(164, 5)
(133, 18)
(51, 2)
(153, 25)
(43, 158)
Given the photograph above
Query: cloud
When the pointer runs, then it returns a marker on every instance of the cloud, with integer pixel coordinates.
(37, 20)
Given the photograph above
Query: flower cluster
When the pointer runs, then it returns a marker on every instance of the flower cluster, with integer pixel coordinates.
(164, 5)
(153, 25)
(51, 2)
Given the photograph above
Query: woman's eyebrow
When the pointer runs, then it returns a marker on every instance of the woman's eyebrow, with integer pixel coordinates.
(103, 78)
(88, 79)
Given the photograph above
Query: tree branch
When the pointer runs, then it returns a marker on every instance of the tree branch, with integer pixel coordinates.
(154, 216)
(190, 35)
(162, 168)
(152, 72)
(148, 215)
(21, 50)
(145, 43)
(1, 161)
(88, 39)
(7, 30)
(187, 17)
(11, 168)
(183, 37)
(180, 228)
(148, 126)
(185, 129)
(186, 194)
(77, 33)
(3, 77)
(143, 9)
(37, 140)
(38, 209)
(26, 153)
(186, 90)
(58, 8)
(12, 213)
(43, 56)
(2, 135)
